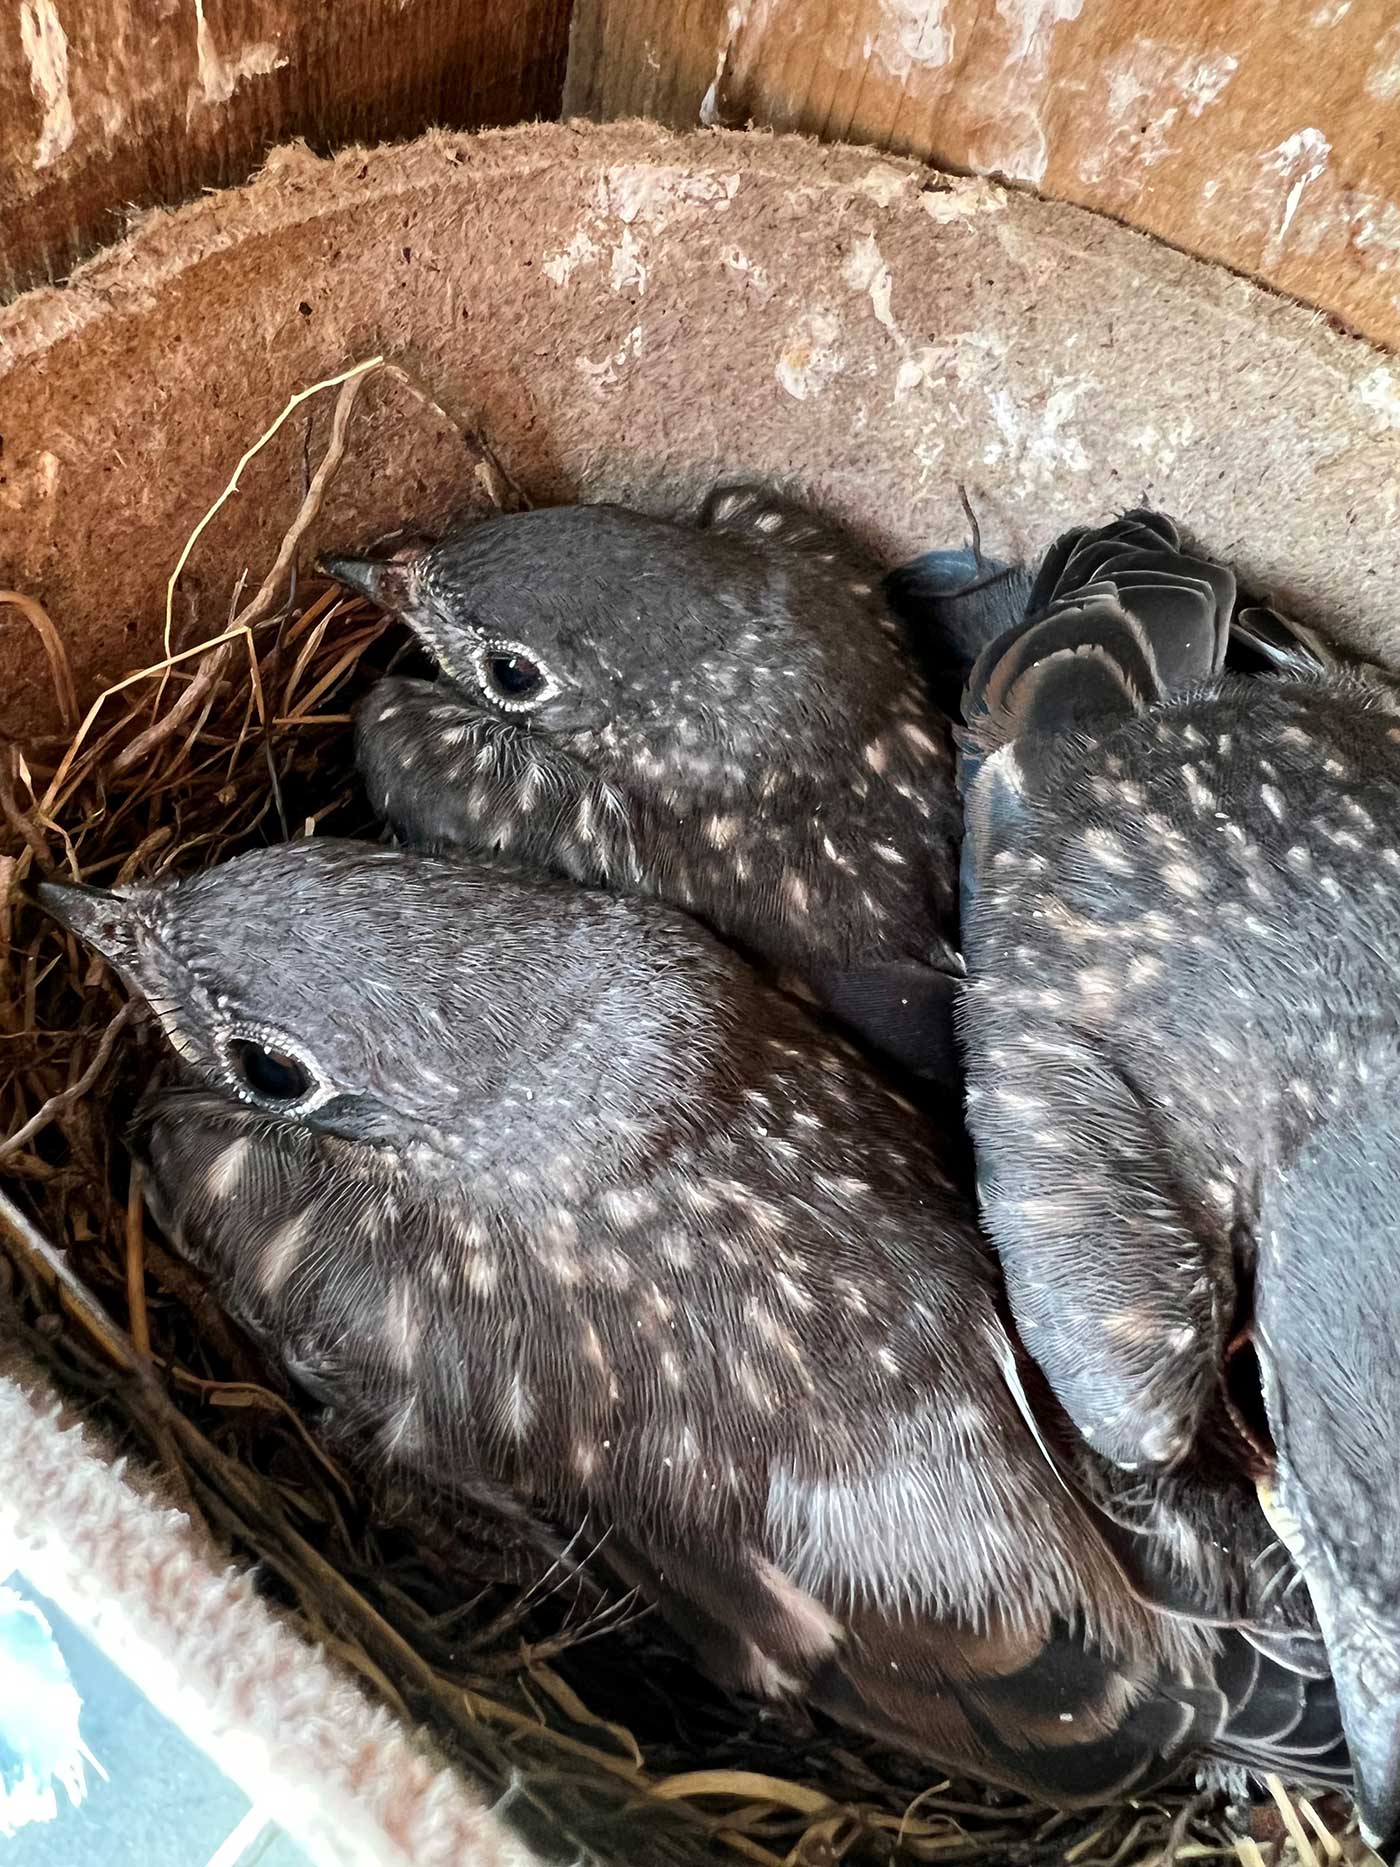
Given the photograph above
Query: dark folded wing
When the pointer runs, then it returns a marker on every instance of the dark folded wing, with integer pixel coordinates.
(1037, 1709)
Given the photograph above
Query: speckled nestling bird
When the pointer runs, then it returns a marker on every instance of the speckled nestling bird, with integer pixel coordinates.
(1181, 915)
(544, 1187)
(723, 714)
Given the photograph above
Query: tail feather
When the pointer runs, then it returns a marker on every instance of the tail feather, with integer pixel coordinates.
(1118, 617)
(1278, 642)
(1279, 1721)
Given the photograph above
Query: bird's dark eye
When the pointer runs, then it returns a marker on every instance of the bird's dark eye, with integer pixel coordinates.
(514, 677)
(271, 1074)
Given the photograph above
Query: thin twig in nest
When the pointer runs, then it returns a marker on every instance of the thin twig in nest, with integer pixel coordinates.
(302, 395)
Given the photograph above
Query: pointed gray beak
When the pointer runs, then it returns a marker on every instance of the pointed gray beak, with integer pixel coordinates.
(104, 920)
(1363, 1654)
(385, 581)
(1367, 1677)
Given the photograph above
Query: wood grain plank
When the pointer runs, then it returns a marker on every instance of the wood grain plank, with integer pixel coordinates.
(110, 104)
(1265, 138)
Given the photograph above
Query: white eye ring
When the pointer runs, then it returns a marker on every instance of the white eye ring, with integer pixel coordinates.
(493, 648)
(273, 1044)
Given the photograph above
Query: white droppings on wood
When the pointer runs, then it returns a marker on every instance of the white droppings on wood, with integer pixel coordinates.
(1151, 88)
(602, 376)
(582, 250)
(864, 270)
(1299, 160)
(1014, 143)
(1035, 438)
(220, 76)
(962, 199)
(45, 45)
(885, 184)
(627, 270)
(738, 261)
(910, 35)
(809, 357)
(1383, 79)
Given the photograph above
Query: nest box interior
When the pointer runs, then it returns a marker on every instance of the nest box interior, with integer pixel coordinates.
(627, 315)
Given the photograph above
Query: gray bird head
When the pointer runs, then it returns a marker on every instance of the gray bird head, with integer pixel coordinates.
(719, 714)
(457, 1015)
(567, 620)
(1326, 1327)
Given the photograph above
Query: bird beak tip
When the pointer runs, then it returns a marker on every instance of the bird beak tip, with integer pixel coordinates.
(358, 574)
(69, 903)
(96, 916)
(1379, 1844)
(384, 581)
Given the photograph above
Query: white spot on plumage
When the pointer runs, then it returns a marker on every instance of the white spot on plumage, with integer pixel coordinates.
(1107, 850)
(769, 522)
(752, 1388)
(887, 853)
(613, 1268)
(586, 1459)
(1183, 879)
(593, 1347)
(227, 1169)
(853, 1296)
(519, 1406)
(1094, 982)
(1202, 798)
(795, 891)
(844, 1186)
(281, 1253)
(628, 1207)
(877, 755)
(721, 831)
(1272, 799)
(793, 1292)
(403, 1324)
(919, 739)
(482, 1274)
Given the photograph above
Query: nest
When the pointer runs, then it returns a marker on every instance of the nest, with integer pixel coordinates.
(592, 1731)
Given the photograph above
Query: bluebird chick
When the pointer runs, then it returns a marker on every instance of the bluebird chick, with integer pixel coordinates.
(545, 1187)
(722, 714)
(1181, 912)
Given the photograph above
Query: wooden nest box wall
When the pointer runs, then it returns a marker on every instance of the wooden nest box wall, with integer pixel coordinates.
(630, 311)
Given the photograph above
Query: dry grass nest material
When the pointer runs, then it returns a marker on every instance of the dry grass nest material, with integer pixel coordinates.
(588, 1726)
